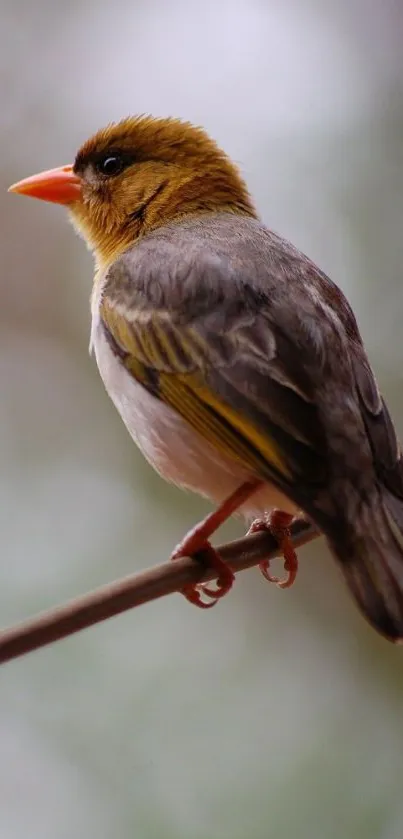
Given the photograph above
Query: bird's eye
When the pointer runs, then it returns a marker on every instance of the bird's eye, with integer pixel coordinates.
(110, 165)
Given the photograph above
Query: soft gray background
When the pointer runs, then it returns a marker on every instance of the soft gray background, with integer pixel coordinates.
(277, 714)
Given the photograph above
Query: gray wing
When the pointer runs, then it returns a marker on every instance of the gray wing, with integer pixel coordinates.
(254, 323)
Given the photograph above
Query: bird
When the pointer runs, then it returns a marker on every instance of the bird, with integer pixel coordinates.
(235, 363)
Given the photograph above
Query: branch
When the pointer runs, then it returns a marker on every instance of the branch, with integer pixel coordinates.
(119, 596)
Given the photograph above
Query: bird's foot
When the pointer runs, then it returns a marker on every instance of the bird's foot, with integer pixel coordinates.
(196, 543)
(278, 524)
(201, 594)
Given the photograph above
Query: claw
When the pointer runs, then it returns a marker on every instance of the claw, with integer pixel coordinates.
(208, 555)
(278, 523)
(193, 595)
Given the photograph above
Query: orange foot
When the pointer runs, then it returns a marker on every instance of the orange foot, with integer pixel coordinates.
(278, 523)
(204, 551)
(196, 543)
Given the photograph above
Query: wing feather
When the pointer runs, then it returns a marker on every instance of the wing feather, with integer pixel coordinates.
(219, 384)
(260, 353)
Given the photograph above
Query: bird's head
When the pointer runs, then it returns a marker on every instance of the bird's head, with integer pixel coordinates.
(139, 174)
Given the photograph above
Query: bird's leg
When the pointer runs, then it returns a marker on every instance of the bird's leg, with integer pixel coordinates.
(278, 523)
(196, 543)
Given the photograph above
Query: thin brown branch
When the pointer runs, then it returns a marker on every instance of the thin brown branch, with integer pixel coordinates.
(122, 595)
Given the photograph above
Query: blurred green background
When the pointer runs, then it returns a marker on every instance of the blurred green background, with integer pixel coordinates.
(277, 714)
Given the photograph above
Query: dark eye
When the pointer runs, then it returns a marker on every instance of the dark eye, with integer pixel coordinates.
(110, 165)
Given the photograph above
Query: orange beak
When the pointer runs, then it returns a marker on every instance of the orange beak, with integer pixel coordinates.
(60, 185)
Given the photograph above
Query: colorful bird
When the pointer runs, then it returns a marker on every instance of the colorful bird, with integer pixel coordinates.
(235, 363)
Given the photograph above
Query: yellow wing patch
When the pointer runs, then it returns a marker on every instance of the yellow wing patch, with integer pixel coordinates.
(161, 354)
(269, 450)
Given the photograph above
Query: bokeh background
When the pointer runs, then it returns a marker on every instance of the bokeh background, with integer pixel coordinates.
(277, 714)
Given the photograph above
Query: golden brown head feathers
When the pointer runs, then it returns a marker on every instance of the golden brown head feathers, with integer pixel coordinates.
(143, 172)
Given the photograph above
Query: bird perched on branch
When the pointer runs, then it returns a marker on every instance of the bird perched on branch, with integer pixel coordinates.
(235, 363)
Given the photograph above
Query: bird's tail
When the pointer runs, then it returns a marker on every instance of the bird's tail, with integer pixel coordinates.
(370, 553)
